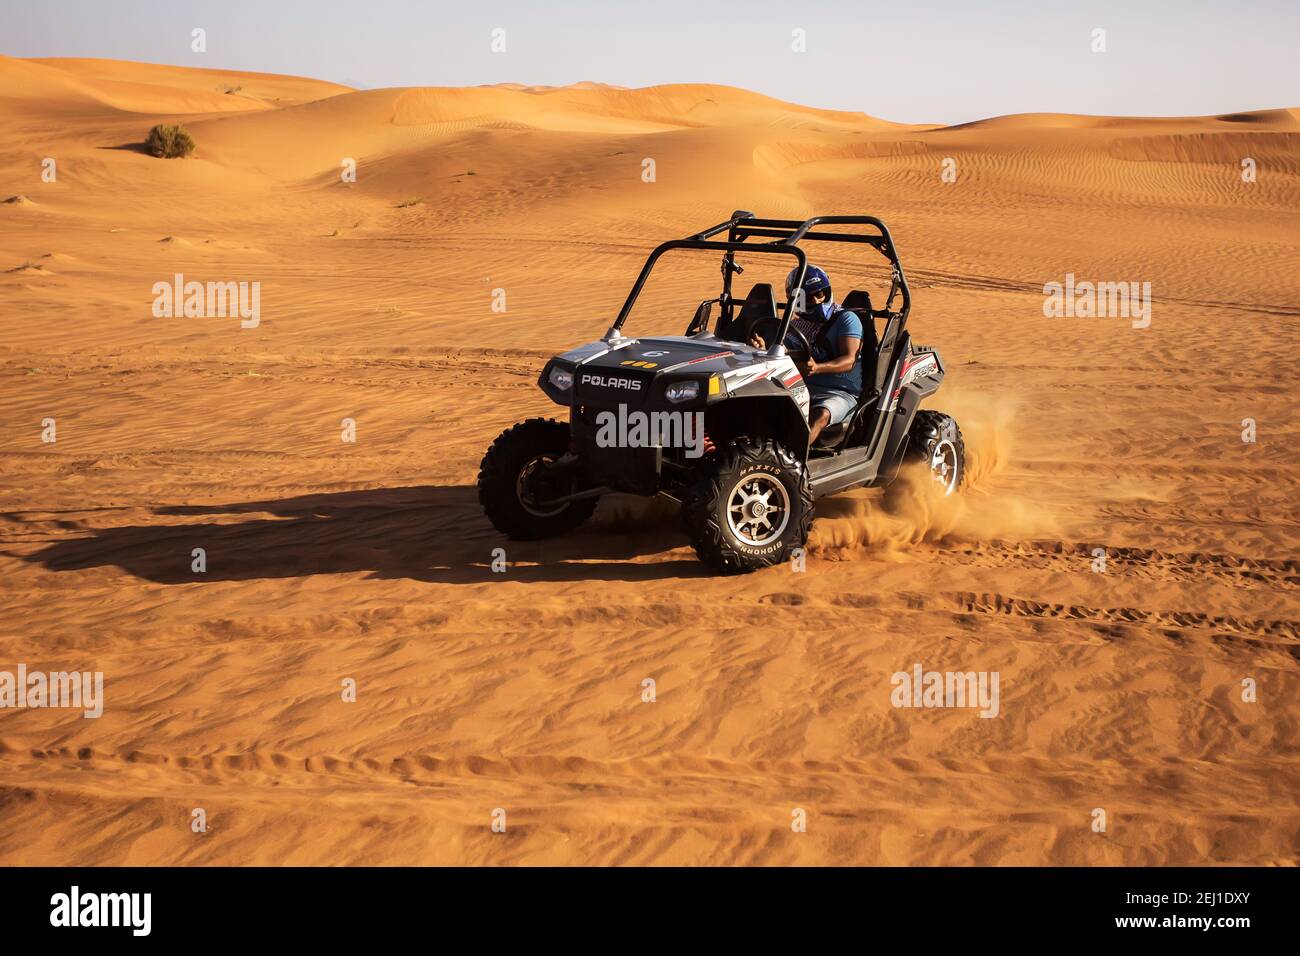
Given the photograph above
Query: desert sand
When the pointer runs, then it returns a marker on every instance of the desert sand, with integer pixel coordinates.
(326, 560)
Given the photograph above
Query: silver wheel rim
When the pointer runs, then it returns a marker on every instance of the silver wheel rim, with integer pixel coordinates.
(758, 509)
(943, 465)
(521, 490)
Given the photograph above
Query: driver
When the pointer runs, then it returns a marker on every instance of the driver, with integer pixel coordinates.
(832, 371)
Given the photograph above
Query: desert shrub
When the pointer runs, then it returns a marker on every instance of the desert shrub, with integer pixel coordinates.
(168, 142)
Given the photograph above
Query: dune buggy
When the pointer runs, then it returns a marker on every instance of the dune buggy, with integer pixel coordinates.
(747, 481)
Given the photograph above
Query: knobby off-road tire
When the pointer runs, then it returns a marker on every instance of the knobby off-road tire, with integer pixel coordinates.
(935, 439)
(502, 482)
(727, 508)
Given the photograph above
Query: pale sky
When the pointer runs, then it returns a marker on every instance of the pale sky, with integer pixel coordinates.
(900, 60)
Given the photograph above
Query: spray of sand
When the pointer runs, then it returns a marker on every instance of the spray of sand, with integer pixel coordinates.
(914, 511)
(910, 512)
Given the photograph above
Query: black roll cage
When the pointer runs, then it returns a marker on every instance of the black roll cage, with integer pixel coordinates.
(785, 235)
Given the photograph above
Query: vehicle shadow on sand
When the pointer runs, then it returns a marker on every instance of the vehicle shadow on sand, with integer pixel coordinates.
(426, 533)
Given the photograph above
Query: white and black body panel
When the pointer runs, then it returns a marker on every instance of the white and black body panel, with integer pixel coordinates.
(653, 363)
(740, 390)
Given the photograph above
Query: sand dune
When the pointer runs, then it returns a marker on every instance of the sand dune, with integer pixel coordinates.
(370, 560)
(152, 88)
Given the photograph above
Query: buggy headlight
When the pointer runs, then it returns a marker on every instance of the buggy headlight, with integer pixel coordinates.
(682, 391)
(562, 379)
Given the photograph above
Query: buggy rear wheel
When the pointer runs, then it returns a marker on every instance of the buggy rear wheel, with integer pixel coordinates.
(936, 439)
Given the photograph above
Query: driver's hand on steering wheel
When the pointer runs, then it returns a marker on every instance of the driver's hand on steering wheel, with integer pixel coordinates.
(756, 340)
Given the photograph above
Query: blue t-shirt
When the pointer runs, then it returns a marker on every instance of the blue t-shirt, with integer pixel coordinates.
(844, 325)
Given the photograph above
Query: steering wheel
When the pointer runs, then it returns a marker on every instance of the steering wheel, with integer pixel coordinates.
(768, 326)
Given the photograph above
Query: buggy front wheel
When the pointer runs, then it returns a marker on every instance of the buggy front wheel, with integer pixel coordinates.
(749, 506)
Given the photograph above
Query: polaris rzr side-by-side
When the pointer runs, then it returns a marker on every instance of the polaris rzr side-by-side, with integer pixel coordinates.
(747, 477)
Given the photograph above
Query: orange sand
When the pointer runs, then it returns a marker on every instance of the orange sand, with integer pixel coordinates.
(522, 690)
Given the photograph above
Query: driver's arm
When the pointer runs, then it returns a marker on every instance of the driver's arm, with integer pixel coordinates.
(843, 362)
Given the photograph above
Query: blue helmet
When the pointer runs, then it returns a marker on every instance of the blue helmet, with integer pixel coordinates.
(814, 280)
